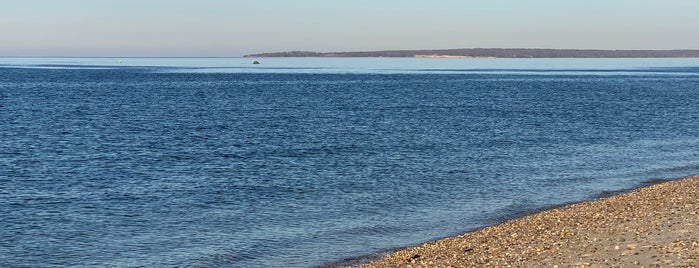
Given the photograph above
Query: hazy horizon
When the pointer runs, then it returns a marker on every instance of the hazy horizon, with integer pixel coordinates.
(219, 28)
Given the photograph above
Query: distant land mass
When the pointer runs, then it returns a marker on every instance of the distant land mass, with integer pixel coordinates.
(494, 53)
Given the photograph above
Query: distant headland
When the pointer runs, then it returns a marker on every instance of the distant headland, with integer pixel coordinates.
(493, 53)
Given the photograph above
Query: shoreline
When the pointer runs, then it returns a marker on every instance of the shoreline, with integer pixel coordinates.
(495, 52)
(649, 225)
(430, 57)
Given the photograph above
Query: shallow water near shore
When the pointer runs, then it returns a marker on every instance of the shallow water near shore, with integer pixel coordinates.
(303, 162)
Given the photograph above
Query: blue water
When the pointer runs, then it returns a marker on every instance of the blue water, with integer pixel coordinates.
(303, 162)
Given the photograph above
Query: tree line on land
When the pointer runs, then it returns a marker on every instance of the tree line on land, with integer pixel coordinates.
(497, 53)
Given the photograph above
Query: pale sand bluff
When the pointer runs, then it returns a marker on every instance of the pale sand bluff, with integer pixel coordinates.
(654, 226)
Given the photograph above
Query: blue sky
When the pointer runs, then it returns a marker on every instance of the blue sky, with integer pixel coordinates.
(238, 27)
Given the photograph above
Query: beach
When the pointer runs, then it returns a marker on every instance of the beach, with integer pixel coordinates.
(653, 226)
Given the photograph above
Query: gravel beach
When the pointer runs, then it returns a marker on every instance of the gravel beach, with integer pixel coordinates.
(653, 226)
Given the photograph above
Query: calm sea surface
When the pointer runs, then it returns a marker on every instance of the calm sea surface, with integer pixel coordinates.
(303, 162)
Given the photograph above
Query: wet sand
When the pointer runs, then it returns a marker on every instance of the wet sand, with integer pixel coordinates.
(653, 226)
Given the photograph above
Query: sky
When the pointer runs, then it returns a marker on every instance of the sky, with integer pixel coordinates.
(197, 28)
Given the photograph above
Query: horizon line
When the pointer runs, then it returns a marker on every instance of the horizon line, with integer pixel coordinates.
(328, 52)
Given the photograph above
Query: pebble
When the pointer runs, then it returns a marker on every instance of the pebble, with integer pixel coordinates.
(587, 234)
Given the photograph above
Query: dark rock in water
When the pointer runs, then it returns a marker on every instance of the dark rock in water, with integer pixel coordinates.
(255, 62)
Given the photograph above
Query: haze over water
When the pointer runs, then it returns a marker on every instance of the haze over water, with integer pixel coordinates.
(302, 162)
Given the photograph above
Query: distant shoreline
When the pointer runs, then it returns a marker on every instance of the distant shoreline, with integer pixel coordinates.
(447, 57)
(489, 53)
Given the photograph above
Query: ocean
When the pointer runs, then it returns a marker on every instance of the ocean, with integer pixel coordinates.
(215, 162)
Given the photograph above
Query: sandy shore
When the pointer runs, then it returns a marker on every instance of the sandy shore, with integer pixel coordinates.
(654, 226)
